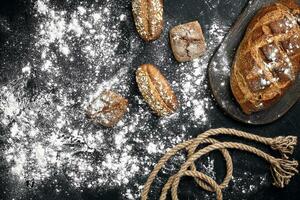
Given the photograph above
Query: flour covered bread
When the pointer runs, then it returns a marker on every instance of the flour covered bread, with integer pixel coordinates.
(148, 18)
(268, 58)
(187, 41)
(107, 109)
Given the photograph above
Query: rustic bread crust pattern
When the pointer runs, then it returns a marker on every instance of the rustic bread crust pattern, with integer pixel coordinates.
(148, 18)
(187, 41)
(268, 58)
(156, 90)
(107, 109)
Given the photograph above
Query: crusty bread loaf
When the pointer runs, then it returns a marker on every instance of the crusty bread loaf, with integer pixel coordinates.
(148, 18)
(268, 58)
(156, 90)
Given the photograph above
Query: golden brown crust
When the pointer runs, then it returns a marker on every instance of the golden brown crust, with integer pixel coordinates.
(148, 18)
(156, 90)
(107, 109)
(267, 61)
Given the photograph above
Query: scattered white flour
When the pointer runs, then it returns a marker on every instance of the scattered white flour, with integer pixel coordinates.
(246, 188)
(194, 81)
(75, 53)
(211, 4)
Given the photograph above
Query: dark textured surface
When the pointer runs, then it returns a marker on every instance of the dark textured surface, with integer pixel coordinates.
(18, 14)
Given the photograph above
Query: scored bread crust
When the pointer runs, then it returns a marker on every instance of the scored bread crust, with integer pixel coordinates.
(268, 58)
(148, 18)
(156, 90)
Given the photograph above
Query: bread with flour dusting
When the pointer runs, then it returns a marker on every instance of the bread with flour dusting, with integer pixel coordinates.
(148, 18)
(107, 109)
(268, 59)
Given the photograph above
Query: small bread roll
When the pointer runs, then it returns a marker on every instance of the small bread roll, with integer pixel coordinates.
(156, 90)
(187, 41)
(148, 18)
(107, 109)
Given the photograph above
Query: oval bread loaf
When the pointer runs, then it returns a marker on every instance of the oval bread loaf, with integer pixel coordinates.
(148, 18)
(267, 61)
(156, 90)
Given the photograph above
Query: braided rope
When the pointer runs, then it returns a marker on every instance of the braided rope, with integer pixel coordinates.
(282, 169)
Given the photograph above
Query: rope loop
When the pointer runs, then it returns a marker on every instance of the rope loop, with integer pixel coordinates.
(282, 169)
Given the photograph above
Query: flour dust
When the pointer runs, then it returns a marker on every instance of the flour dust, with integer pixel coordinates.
(75, 54)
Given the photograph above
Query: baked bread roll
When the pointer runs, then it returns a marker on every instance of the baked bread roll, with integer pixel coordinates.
(156, 90)
(187, 41)
(268, 58)
(107, 109)
(148, 18)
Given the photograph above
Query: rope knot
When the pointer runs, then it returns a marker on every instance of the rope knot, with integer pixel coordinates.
(282, 171)
(285, 145)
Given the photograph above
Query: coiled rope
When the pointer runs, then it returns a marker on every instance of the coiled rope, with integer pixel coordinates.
(282, 169)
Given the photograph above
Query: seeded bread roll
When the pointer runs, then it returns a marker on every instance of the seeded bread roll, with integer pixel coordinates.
(148, 18)
(268, 59)
(156, 90)
(107, 109)
(187, 41)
